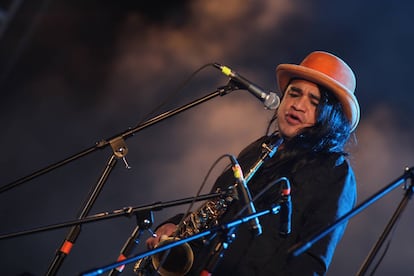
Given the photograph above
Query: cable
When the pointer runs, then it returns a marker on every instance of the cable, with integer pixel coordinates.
(202, 185)
(175, 92)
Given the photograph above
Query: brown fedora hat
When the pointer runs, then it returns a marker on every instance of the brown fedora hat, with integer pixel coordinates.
(329, 71)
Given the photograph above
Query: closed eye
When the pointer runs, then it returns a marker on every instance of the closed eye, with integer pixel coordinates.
(314, 100)
(295, 92)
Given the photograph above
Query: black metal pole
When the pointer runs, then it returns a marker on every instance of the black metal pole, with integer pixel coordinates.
(373, 253)
(144, 222)
(127, 211)
(74, 232)
(225, 238)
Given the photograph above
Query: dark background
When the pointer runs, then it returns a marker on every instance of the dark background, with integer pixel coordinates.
(76, 72)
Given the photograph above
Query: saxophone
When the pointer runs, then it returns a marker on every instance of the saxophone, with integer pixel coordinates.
(180, 258)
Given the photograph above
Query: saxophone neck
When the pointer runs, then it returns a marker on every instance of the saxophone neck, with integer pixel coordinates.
(268, 150)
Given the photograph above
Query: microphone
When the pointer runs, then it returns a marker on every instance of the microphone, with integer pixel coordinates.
(255, 226)
(285, 213)
(270, 100)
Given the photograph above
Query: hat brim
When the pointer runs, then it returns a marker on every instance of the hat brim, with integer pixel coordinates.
(286, 72)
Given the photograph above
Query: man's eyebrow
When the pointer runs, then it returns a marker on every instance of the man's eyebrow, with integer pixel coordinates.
(299, 90)
(296, 89)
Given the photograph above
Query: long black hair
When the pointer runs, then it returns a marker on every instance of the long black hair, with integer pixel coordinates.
(330, 133)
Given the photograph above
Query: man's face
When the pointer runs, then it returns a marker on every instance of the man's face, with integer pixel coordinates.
(297, 109)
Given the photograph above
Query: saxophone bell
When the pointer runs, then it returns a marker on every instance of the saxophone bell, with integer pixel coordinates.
(176, 261)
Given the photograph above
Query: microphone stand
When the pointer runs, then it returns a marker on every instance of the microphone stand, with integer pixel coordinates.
(301, 247)
(126, 211)
(120, 150)
(401, 207)
(221, 91)
(74, 232)
(226, 228)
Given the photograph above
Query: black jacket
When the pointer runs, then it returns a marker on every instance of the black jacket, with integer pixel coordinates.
(323, 189)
